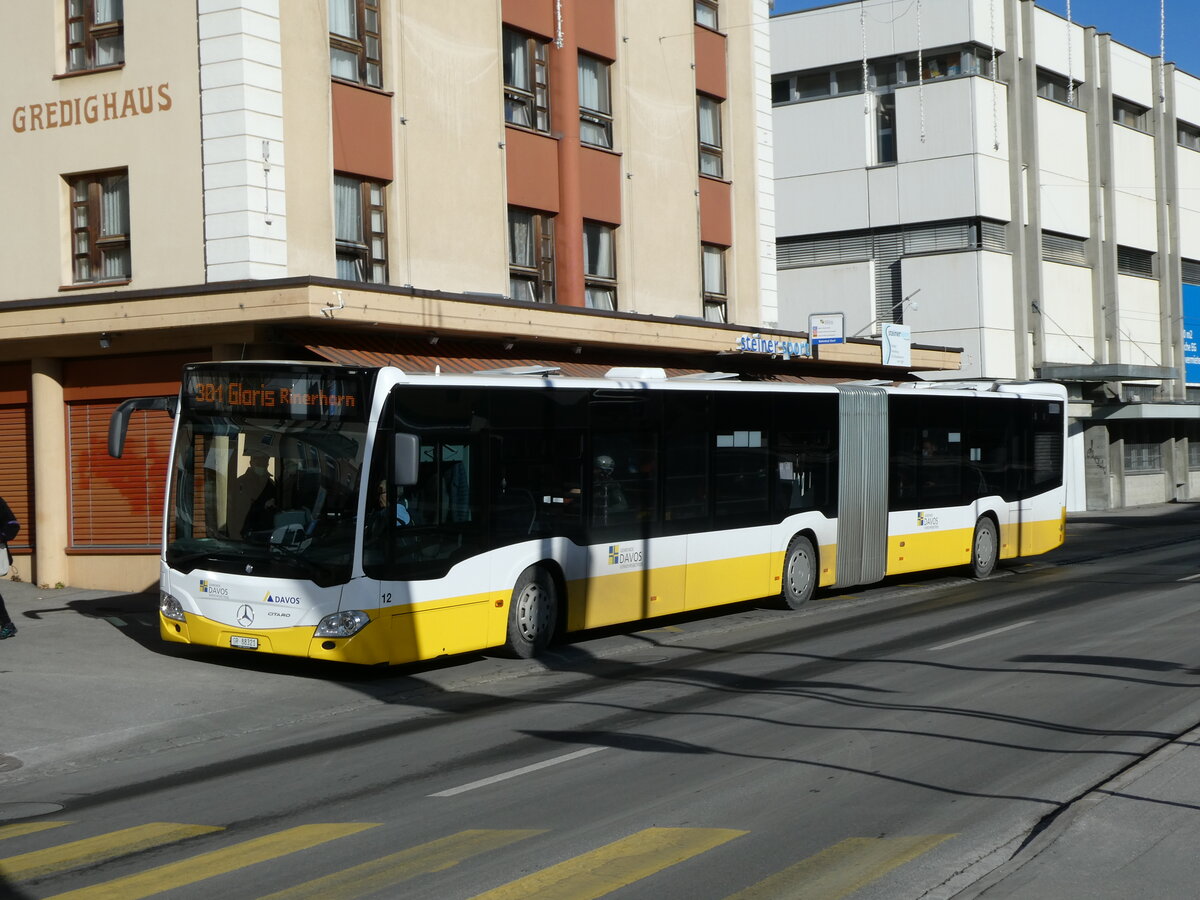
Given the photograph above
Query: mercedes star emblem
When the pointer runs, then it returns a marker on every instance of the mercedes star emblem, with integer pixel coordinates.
(245, 615)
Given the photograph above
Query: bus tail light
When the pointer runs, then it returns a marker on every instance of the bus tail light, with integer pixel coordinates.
(342, 624)
(170, 607)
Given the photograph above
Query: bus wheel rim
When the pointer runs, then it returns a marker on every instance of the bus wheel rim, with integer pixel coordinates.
(799, 563)
(531, 611)
(985, 546)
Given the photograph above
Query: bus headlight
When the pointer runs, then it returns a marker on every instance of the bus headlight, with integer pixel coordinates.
(342, 624)
(170, 607)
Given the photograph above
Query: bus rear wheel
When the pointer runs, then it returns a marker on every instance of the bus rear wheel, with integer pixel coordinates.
(532, 613)
(799, 572)
(984, 548)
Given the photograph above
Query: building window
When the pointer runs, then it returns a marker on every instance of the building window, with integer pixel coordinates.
(885, 128)
(706, 13)
(816, 85)
(709, 114)
(526, 90)
(595, 102)
(1193, 450)
(1055, 87)
(599, 266)
(100, 227)
(1135, 261)
(1189, 135)
(360, 229)
(530, 256)
(354, 45)
(1131, 115)
(1142, 452)
(713, 280)
(95, 34)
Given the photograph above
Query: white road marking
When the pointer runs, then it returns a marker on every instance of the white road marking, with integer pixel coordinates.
(515, 773)
(1190, 578)
(977, 637)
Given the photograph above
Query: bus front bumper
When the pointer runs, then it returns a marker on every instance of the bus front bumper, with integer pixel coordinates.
(368, 647)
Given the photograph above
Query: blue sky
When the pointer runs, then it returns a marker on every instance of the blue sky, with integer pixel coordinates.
(1134, 23)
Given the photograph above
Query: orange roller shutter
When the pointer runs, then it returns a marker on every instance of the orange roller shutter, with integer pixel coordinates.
(117, 503)
(16, 455)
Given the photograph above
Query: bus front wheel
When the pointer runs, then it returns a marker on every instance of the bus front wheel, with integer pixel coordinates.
(532, 613)
(799, 572)
(984, 548)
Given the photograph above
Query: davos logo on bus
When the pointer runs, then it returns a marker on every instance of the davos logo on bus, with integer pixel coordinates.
(925, 520)
(619, 557)
(281, 599)
(213, 590)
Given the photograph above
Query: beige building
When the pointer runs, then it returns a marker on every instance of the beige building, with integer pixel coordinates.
(467, 185)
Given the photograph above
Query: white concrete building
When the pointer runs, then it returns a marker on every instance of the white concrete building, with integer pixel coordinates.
(1002, 180)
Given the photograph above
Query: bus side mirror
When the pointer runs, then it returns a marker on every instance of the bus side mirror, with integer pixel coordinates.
(406, 449)
(119, 423)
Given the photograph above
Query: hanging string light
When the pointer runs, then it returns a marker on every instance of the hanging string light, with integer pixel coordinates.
(862, 28)
(995, 100)
(1070, 68)
(920, 73)
(1162, 51)
(558, 26)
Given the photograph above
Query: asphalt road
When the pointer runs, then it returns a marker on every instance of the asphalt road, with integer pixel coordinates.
(895, 743)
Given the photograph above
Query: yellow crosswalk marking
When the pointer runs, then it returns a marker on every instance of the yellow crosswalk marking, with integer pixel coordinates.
(95, 849)
(216, 862)
(388, 871)
(23, 828)
(841, 869)
(611, 867)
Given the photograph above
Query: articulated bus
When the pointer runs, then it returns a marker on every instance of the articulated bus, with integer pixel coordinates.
(370, 516)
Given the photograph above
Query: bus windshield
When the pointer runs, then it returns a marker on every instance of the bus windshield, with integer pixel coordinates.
(265, 489)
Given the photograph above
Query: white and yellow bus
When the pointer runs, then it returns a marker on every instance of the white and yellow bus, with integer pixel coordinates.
(368, 516)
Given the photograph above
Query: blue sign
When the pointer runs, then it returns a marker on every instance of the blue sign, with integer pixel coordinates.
(1191, 333)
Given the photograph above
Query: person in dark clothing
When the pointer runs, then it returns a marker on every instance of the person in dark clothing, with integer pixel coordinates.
(9, 526)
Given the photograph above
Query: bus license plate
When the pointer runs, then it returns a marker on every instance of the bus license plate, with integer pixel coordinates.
(246, 643)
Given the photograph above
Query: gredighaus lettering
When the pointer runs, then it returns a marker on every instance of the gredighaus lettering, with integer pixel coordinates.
(140, 101)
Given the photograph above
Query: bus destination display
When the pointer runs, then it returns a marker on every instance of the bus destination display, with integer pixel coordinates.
(276, 394)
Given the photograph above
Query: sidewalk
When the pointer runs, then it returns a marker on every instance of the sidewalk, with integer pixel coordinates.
(1134, 837)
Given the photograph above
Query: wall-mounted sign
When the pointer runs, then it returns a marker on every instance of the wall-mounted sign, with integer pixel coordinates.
(140, 101)
(754, 343)
(897, 345)
(1191, 333)
(827, 328)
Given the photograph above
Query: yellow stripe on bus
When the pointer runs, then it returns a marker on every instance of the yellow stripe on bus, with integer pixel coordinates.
(216, 862)
(614, 866)
(96, 849)
(841, 869)
(387, 872)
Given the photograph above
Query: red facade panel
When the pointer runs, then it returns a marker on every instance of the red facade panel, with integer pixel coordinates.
(716, 212)
(711, 75)
(600, 185)
(596, 24)
(534, 16)
(362, 132)
(532, 170)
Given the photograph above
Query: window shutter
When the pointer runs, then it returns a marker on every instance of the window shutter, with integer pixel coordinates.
(16, 455)
(1191, 271)
(117, 502)
(1063, 248)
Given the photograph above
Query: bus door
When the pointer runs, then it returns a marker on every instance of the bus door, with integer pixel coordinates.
(862, 524)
